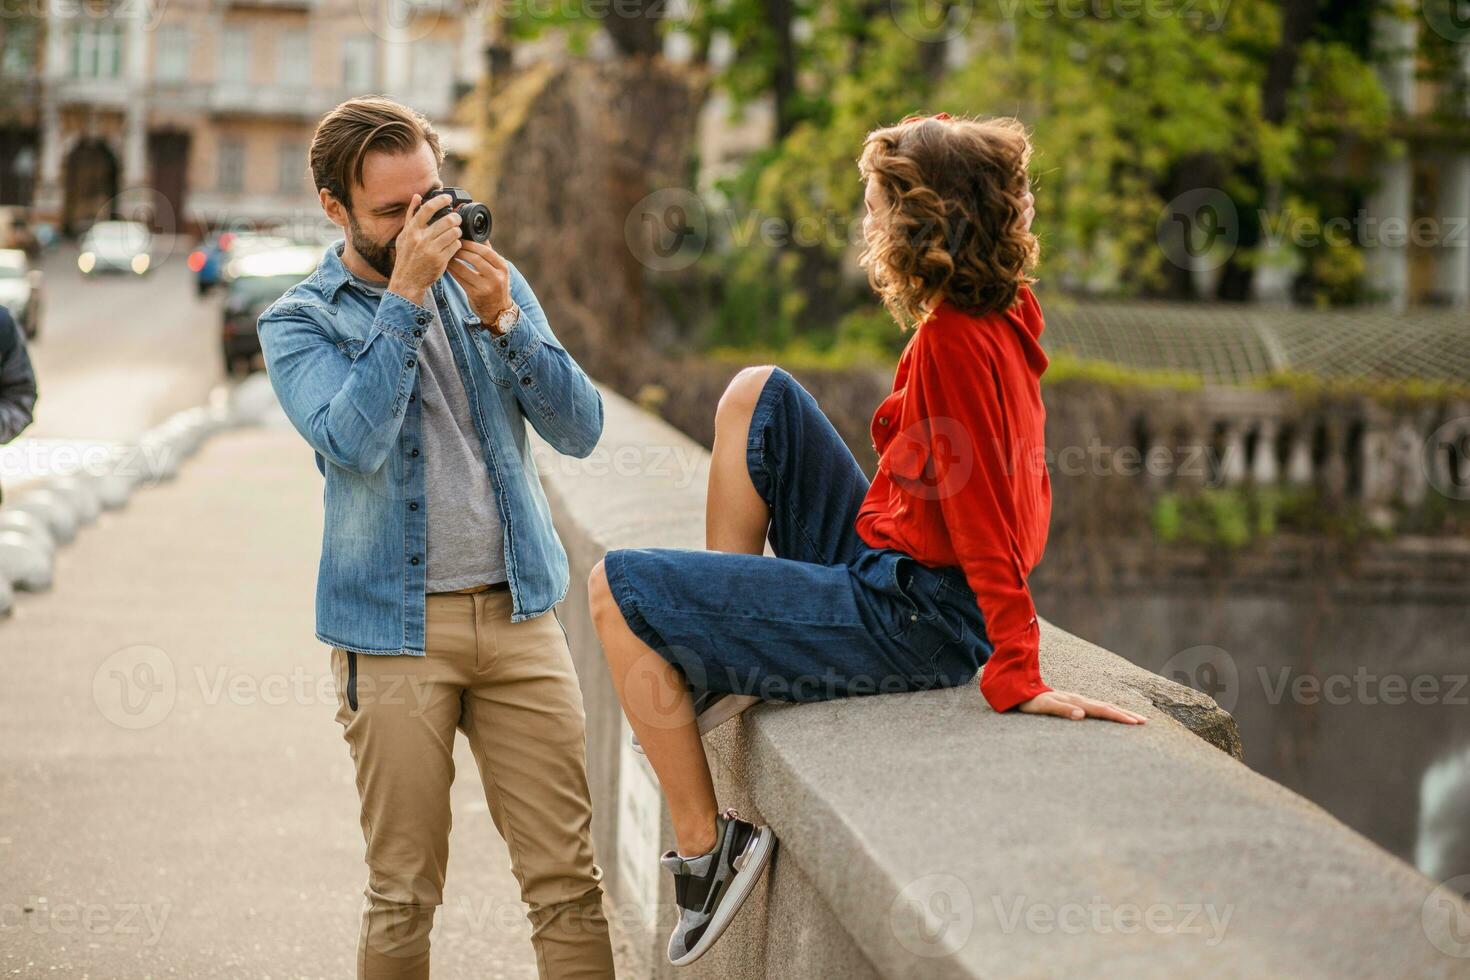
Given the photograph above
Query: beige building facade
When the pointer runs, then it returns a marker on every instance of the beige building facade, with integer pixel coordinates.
(198, 113)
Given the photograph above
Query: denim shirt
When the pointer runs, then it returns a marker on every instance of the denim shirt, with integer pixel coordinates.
(344, 366)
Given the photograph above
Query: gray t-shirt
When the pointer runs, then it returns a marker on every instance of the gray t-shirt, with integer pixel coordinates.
(465, 539)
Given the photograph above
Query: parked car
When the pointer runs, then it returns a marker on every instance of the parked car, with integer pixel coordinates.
(116, 246)
(16, 232)
(20, 290)
(248, 243)
(207, 262)
(254, 282)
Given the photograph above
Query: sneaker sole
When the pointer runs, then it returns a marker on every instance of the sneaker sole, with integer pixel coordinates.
(724, 709)
(750, 864)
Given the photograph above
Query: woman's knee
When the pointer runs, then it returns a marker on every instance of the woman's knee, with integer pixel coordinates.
(599, 593)
(737, 404)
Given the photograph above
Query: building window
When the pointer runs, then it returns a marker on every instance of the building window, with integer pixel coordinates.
(172, 53)
(292, 173)
(234, 57)
(96, 49)
(359, 64)
(18, 57)
(293, 60)
(432, 72)
(231, 178)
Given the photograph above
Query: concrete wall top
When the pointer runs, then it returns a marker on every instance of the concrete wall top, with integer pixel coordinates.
(949, 841)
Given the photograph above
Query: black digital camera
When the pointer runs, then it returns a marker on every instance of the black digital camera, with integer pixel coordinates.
(474, 218)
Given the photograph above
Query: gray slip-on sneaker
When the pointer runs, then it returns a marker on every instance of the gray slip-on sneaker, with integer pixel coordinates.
(709, 889)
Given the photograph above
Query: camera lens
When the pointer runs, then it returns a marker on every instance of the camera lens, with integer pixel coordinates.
(476, 222)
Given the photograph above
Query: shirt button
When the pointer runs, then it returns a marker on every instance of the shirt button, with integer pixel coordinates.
(414, 453)
(414, 560)
(504, 342)
(511, 355)
(413, 505)
(408, 362)
(525, 381)
(413, 398)
(422, 318)
(882, 420)
(418, 333)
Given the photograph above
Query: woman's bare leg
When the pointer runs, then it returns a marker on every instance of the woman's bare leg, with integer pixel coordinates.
(661, 714)
(651, 690)
(736, 519)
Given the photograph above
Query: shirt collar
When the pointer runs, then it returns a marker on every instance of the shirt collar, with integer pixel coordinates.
(331, 273)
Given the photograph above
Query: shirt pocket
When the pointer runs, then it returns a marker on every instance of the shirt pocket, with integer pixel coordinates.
(905, 458)
(885, 419)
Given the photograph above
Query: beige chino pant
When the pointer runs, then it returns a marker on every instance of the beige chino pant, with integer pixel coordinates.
(512, 689)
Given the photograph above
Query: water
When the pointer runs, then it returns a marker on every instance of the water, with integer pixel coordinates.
(1361, 706)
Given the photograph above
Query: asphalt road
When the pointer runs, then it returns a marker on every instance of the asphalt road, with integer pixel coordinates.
(176, 799)
(116, 353)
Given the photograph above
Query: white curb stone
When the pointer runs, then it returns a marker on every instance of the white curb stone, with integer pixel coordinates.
(114, 489)
(83, 497)
(53, 508)
(23, 564)
(26, 522)
(162, 455)
(39, 519)
(252, 400)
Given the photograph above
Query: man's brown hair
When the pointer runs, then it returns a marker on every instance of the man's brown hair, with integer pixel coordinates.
(345, 136)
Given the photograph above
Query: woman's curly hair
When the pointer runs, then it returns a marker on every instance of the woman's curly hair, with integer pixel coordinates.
(951, 220)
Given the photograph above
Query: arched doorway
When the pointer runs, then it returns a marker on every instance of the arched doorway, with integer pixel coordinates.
(91, 185)
(18, 161)
(168, 164)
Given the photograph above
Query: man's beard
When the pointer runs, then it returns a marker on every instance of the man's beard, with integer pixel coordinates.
(380, 257)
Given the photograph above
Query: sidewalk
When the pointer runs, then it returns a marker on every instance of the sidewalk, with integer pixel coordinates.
(176, 798)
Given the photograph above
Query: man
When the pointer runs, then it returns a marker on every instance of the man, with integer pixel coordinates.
(440, 566)
(17, 381)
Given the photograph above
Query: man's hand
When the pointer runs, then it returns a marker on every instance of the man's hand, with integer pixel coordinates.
(1076, 707)
(485, 277)
(423, 249)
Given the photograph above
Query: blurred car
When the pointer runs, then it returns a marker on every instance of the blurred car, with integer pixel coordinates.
(253, 282)
(16, 232)
(20, 290)
(248, 243)
(207, 262)
(116, 246)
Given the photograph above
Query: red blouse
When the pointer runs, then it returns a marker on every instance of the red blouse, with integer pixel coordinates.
(962, 476)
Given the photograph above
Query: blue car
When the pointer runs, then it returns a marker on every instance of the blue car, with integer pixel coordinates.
(207, 262)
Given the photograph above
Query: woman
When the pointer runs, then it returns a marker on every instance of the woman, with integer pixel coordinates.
(908, 583)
